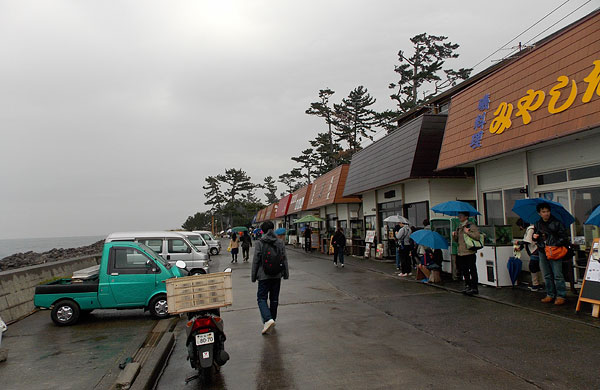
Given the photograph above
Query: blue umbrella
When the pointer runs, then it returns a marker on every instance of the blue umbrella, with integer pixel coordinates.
(256, 231)
(429, 238)
(594, 218)
(525, 208)
(280, 231)
(514, 268)
(454, 207)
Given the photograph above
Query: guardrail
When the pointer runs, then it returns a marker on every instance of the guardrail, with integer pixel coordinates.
(17, 286)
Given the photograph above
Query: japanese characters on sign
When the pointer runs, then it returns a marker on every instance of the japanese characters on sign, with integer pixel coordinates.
(533, 100)
(484, 104)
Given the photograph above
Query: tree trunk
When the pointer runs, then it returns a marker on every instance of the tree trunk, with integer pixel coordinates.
(414, 86)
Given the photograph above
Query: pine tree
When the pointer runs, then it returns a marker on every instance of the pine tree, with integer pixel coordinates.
(270, 187)
(292, 180)
(354, 120)
(423, 69)
(327, 155)
(323, 110)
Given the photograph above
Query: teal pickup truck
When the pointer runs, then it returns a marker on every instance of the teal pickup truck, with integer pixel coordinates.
(130, 276)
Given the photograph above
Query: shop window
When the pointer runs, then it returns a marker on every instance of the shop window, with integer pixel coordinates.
(584, 173)
(510, 197)
(389, 194)
(584, 201)
(331, 223)
(370, 222)
(551, 178)
(492, 203)
(357, 230)
(417, 212)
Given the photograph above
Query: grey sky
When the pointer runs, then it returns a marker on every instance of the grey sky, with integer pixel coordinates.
(113, 113)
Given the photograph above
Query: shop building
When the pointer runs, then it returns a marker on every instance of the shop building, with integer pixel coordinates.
(326, 199)
(397, 175)
(281, 221)
(531, 128)
(296, 210)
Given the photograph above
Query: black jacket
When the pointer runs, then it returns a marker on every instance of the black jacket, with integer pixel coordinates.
(552, 233)
(246, 241)
(257, 271)
(338, 240)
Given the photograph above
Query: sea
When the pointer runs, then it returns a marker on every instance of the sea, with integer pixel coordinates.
(16, 245)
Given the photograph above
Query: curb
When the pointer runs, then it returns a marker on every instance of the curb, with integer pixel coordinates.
(150, 358)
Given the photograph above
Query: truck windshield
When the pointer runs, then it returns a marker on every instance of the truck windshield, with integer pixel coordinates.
(196, 240)
(155, 255)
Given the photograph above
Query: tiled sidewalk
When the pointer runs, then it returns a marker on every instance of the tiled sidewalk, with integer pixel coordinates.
(518, 296)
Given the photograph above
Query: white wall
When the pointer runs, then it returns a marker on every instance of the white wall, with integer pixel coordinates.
(342, 210)
(330, 209)
(584, 151)
(443, 190)
(416, 191)
(381, 192)
(369, 201)
(505, 172)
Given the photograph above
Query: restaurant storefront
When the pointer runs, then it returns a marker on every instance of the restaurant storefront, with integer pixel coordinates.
(532, 129)
(397, 175)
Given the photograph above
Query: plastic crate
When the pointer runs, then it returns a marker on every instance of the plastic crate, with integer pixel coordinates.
(199, 292)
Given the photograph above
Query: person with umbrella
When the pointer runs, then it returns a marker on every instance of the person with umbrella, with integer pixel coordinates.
(307, 239)
(465, 257)
(551, 232)
(533, 252)
(403, 249)
(234, 244)
(246, 244)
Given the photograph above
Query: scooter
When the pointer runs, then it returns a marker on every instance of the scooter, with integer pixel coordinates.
(205, 341)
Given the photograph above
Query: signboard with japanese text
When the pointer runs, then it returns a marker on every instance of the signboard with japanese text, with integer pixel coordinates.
(590, 288)
(549, 92)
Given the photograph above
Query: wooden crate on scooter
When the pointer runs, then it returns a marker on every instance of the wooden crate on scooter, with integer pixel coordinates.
(199, 292)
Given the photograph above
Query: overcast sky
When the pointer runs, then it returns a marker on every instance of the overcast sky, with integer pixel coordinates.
(113, 112)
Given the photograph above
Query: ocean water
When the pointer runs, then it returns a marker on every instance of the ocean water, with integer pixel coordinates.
(15, 245)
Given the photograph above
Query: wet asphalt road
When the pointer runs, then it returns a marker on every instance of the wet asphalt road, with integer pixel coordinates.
(83, 356)
(355, 329)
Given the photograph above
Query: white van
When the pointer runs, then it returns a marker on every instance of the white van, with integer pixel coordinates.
(213, 243)
(172, 246)
(198, 241)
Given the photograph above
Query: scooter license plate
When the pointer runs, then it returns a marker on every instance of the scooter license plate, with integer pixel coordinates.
(205, 338)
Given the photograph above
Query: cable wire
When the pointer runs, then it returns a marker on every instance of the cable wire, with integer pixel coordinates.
(529, 28)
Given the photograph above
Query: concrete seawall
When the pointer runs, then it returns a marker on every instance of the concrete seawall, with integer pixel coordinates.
(18, 286)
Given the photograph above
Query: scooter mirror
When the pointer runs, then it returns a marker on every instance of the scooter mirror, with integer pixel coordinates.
(227, 270)
(180, 264)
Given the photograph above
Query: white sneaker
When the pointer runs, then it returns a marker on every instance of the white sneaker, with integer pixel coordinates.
(268, 325)
(342, 265)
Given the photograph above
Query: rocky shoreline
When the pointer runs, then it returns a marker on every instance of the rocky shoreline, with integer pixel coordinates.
(19, 260)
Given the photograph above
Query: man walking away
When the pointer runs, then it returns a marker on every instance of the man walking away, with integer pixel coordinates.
(246, 244)
(269, 265)
(307, 239)
(339, 244)
(465, 257)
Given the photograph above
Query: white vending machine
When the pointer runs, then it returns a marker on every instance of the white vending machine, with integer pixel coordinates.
(492, 260)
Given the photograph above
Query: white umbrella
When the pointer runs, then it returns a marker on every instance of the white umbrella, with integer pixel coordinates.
(397, 219)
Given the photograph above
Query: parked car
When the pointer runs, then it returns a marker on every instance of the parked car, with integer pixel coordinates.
(198, 241)
(172, 246)
(213, 243)
(130, 276)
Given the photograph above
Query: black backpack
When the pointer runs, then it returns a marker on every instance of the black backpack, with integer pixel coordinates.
(272, 261)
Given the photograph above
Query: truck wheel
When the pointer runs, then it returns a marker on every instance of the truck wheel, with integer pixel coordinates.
(214, 251)
(158, 307)
(65, 312)
(197, 272)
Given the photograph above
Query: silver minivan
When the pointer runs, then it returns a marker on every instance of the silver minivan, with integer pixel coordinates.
(213, 243)
(198, 241)
(172, 246)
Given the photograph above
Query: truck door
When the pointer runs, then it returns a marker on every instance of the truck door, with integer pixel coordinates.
(132, 276)
(178, 249)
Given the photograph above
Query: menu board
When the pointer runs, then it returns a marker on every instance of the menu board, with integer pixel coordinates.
(590, 289)
(370, 236)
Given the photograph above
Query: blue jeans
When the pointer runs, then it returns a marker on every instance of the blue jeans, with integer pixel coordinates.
(553, 276)
(268, 288)
(338, 254)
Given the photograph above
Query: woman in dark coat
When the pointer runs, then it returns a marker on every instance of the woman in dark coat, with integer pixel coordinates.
(246, 244)
(338, 241)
